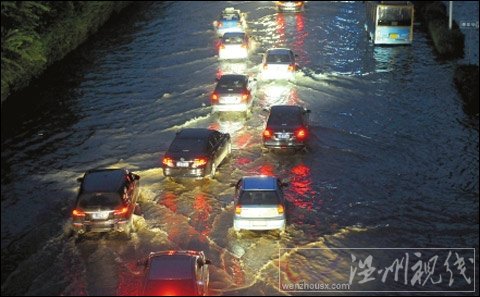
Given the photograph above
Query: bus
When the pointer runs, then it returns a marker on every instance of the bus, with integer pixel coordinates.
(390, 22)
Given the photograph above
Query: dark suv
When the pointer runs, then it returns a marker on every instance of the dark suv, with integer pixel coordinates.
(287, 127)
(176, 273)
(106, 201)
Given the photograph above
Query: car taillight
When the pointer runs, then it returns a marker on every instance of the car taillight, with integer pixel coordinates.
(245, 96)
(121, 211)
(78, 213)
(238, 209)
(199, 162)
(219, 24)
(214, 97)
(222, 46)
(265, 66)
(298, 3)
(244, 45)
(291, 67)
(301, 133)
(280, 209)
(268, 133)
(168, 162)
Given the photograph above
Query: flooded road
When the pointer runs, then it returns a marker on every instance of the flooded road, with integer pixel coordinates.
(393, 158)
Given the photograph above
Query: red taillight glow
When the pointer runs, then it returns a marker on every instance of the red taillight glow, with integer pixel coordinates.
(168, 162)
(121, 211)
(291, 68)
(238, 209)
(301, 133)
(214, 97)
(280, 209)
(298, 3)
(245, 96)
(222, 46)
(267, 133)
(199, 162)
(78, 213)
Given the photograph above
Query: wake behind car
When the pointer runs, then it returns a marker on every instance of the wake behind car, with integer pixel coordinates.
(196, 152)
(278, 64)
(106, 201)
(234, 46)
(234, 92)
(230, 20)
(290, 6)
(287, 127)
(259, 204)
(176, 273)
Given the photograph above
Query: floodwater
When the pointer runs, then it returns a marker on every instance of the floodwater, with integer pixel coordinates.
(393, 157)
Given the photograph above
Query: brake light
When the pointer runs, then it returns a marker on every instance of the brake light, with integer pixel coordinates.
(298, 3)
(245, 96)
(267, 133)
(244, 45)
(280, 209)
(238, 209)
(78, 213)
(265, 66)
(121, 211)
(219, 24)
(222, 46)
(301, 133)
(199, 162)
(214, 97)
(167, 161)
(291, 68)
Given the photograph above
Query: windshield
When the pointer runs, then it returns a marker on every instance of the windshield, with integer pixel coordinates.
(100, 201)
(394, 16)
(259, 198)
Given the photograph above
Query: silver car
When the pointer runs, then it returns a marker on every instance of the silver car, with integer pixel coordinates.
(259, 204)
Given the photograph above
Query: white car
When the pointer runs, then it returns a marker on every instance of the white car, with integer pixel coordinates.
(230, 20)
(234, 46)
(278, 64)
(259, 204)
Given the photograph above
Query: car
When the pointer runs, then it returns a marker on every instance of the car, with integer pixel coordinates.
(287, 127)
(278, 64)
(290, 6)
(196, 152)
(230, 20)
(233, 46)
(175, 273)
(106, 201)
(233, 92)
(259, 204)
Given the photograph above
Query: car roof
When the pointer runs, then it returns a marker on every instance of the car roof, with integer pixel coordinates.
(279, 51)
(164, 266)
(231, 78)
(260, 182)
(286, 108)
(194, 133)
(233, 34)
(103, 180)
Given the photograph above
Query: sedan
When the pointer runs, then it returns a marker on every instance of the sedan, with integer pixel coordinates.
(234, 92)
(176, 273)
(196, 152)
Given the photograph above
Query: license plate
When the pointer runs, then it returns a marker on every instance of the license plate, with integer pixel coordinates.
(182, 164)
(258, 224)
(283, 136)
(393, 36)
(228, 100)
(100, 215)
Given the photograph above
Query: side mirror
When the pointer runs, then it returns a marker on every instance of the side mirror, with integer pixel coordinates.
(217, 79)
(307, 111)
(296, 56)
(284, 185)
(142, 262)
(136, 176)
(80, 179)
(208, 262)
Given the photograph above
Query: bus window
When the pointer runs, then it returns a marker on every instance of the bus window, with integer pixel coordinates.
(394, 16)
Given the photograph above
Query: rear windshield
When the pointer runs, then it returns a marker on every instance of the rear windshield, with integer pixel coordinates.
(196, 145)
(232, 39)
(290, 118)
(259, 198)
(101, 201)
(278, 58)
(171, 267)
(103, 181)
(229, 83)
(230, 17)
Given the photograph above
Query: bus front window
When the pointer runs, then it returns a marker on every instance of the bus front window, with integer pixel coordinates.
(394, 16)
